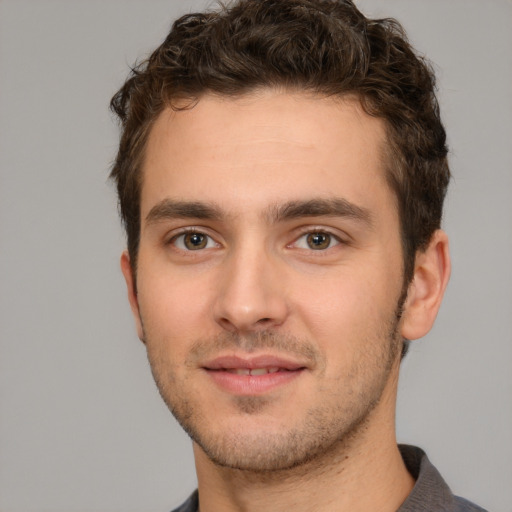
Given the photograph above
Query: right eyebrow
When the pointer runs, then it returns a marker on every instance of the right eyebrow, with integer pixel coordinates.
(171, 209)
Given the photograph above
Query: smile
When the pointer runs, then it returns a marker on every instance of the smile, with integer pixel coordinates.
(254, 371)
(252, 375)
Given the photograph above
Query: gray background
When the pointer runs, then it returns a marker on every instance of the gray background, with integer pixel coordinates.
(82, 427)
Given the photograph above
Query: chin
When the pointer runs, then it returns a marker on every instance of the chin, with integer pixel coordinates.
(262, 446)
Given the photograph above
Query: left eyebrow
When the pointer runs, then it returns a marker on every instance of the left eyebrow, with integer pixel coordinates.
(334, 207)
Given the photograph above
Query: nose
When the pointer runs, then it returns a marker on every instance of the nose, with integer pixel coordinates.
(251, 296)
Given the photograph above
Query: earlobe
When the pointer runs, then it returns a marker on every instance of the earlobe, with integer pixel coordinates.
(431, 274)
(126, 269)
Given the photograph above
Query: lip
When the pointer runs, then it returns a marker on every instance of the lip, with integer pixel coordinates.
(251, 362)
(220, 370)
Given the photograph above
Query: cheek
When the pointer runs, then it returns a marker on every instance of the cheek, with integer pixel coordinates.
(172, 308)
(347, 306)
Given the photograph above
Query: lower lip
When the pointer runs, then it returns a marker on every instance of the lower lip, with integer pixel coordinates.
(247, 385)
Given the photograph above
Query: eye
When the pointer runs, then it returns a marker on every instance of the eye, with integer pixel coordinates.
(317, 241)
(193, 241)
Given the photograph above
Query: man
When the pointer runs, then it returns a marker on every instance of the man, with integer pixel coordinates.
(281, 175)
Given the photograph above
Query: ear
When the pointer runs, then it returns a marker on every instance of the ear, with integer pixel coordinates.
(126, 269)
(431, 274)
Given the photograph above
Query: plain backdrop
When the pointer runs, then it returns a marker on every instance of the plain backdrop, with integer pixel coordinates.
(82, 428)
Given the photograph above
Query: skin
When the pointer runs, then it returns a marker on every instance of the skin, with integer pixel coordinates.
(251, 180)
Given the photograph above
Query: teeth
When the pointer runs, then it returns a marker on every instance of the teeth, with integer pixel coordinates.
(259, 371)
(254, 371)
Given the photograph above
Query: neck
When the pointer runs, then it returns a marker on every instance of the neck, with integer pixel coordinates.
(365, 472)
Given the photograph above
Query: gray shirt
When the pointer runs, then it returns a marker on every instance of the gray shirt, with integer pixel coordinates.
(429, 494)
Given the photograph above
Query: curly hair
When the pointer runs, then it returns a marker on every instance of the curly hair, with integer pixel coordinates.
(327, 47)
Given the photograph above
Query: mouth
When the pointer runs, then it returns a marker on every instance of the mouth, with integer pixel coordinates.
(253, 371)
(253, 375)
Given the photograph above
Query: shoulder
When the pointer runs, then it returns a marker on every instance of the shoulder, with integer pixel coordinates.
(430, 493)
(463, 505)
(191, 505)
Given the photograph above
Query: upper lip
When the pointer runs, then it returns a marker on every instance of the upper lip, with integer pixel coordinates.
(252, 362)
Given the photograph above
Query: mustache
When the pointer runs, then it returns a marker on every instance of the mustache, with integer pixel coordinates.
(251, 342)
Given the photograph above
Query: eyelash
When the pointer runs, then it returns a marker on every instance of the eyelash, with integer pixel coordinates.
(190, 231)
(334, 240)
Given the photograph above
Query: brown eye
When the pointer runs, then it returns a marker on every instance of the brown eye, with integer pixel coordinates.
(318, 241)
(195, 241)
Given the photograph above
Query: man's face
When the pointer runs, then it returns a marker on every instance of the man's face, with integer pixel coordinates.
(269, 275)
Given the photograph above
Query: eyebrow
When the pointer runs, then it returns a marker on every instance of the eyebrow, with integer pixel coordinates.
(334, 207)
(319, 207)
(170, 209)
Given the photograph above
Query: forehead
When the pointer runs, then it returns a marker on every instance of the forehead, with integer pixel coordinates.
(253, 150)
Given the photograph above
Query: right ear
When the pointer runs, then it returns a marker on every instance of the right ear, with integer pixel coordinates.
(126, 269)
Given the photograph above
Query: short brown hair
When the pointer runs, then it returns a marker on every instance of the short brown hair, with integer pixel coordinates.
(327, 47)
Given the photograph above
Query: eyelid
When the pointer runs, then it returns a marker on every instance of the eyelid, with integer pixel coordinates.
(334, 241)
(175, 234)
(338, 235)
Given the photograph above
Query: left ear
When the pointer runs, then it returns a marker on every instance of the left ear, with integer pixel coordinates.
(431, 274)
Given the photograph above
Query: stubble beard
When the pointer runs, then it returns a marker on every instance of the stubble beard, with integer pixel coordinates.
(327, 429)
